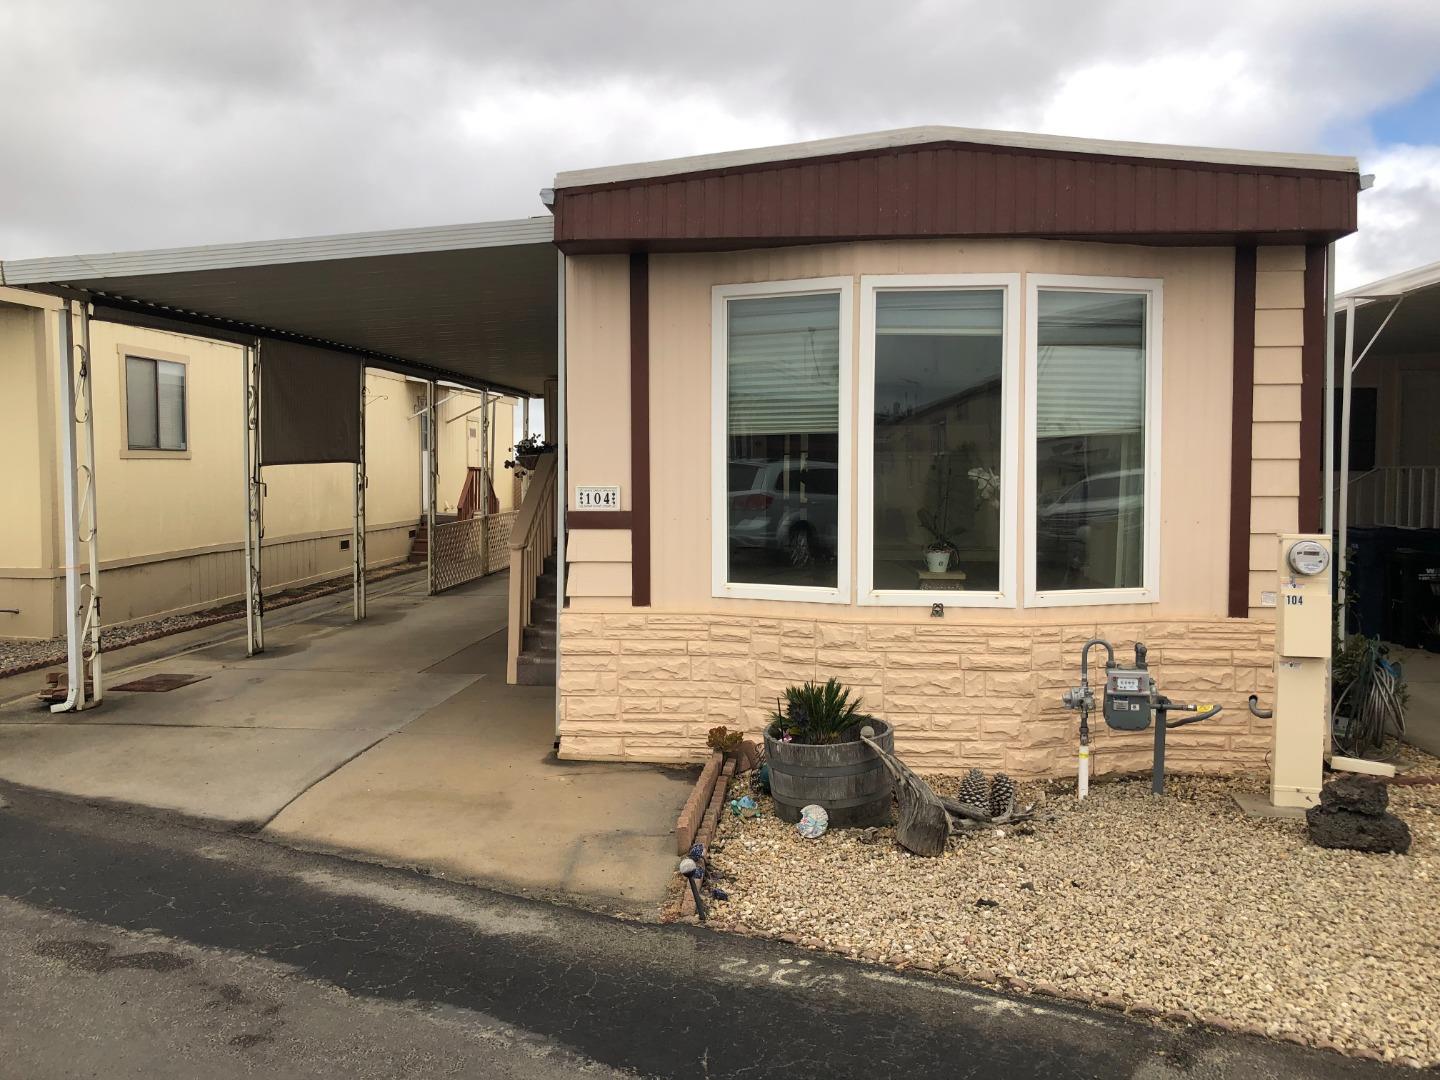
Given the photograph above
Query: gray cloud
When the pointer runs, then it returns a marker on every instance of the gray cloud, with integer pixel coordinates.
(157, 123)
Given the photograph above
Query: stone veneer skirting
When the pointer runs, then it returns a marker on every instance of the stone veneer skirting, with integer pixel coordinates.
(638, 686)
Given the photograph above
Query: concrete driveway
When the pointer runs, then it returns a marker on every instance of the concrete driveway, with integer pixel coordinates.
(396, 739)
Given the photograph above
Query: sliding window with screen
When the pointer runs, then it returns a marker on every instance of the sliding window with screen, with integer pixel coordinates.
(780, 481)
(1093, 468)
(939, 366)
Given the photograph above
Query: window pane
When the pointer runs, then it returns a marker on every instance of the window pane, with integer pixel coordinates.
(782, 438)
(939, 357)
(1090, 441)
(171, 395)
(141, 422)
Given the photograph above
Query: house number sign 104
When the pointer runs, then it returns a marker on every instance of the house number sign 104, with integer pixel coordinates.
(597, 498)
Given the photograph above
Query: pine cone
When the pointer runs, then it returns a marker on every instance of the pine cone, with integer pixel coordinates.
(975, 789)
(1002, 796)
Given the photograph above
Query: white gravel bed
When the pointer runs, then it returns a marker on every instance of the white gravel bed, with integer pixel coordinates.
(1178, 906)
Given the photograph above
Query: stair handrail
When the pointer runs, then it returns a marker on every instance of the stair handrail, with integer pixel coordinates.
(532, 541)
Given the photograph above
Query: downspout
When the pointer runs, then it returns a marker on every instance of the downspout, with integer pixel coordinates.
(1342, 526)
(91, 622)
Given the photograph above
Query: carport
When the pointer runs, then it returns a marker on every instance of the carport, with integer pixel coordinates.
(473, 306)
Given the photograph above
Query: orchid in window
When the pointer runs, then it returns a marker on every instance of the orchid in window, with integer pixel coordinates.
(987, 485)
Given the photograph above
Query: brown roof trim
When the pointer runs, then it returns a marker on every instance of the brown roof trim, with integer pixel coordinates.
(989, 148)
(949, 190)
(1242, 433)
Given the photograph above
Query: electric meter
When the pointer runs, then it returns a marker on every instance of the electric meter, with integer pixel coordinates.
(1308, 558)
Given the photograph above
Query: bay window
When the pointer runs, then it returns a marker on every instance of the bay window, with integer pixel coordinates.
(781, 483)
(943, 512)
(938, 367)
(1093, 395)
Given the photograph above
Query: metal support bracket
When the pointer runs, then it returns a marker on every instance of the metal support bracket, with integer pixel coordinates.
(254, 507)
(82, 598)
(432, 471)
(357, 537)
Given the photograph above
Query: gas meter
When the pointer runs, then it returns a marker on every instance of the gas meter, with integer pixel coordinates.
(1129, 702)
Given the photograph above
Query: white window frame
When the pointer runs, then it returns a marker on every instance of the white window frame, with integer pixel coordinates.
(870, 285)
(721, 295)
(1152, 289)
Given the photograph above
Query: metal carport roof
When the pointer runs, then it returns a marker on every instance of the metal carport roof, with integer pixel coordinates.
(473, 303)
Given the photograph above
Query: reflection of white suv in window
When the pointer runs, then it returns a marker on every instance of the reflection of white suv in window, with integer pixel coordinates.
(785, 507)
(1103, 497)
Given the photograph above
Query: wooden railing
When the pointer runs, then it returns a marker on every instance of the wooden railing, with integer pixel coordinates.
(532, 541)
(1403, 496)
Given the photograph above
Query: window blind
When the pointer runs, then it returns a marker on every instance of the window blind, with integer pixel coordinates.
(1090, 363)
(783, 365)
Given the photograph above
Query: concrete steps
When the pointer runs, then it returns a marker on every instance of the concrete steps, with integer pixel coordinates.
(536, 663)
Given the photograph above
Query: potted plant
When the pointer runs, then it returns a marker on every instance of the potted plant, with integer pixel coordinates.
(934, 517)
(815, 755)
(527, 452)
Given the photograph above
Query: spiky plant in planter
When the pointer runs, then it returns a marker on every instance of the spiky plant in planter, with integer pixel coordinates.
(818, 714)
(815, 756)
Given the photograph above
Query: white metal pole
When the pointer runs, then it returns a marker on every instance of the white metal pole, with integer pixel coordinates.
(65, 399)
(432, 479)
(90, 604)
(1344, 510)
(562, 485)
(357, 537)
(1330, 390)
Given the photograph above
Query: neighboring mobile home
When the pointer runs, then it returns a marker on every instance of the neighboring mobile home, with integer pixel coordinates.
(1087, 377)
(171, 480)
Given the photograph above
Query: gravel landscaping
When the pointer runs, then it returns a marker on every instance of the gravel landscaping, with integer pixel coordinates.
(17, 656)
(1179, 907)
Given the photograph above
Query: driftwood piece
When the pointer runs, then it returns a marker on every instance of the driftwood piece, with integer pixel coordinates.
(971, 816)
(924, 826)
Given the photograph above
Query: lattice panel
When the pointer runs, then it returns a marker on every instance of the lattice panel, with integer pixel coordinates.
(458, 552)
(498, 547)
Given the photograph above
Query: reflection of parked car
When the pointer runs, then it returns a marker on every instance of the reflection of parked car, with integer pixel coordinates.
(784, 507)
(1099, 499)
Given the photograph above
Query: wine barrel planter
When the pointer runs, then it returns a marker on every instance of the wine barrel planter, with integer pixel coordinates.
(846, 778)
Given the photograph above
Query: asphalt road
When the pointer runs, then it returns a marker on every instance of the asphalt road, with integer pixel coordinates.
(136, 947)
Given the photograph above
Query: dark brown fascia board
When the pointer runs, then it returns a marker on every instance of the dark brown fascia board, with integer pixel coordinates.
(670, 246)
(953, 144)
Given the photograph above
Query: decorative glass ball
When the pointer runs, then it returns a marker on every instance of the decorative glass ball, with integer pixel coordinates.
(813, 822)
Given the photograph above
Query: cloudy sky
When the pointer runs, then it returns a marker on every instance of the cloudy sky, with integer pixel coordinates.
(128, 123)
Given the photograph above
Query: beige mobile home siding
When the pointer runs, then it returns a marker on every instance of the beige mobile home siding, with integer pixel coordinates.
(981, 687)
(1275, 450)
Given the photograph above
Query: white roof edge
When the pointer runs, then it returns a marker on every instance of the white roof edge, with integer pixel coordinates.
(880, 140)
(483, 234)
(1406, 281)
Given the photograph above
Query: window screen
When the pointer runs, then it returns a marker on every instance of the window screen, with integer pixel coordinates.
(154, 404)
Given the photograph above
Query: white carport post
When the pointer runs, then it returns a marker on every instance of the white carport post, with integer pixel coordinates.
(1341, 539)
(77, 448)
(254, 506)
(357, 537)
(432, 470)
(487, 406)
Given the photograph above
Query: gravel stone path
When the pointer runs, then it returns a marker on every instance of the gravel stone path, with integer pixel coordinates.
(1179, 907)
(18, 656)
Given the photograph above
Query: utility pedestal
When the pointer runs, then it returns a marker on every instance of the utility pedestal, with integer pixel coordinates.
(1303, 625)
